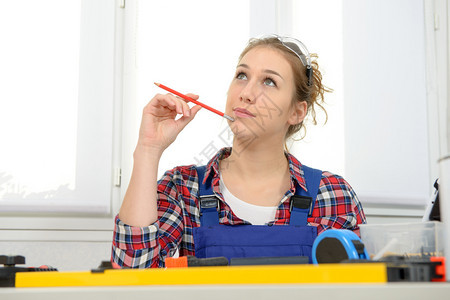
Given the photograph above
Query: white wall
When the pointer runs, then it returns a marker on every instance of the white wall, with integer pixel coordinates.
(64, 256)
(66, 243)
(386, 123)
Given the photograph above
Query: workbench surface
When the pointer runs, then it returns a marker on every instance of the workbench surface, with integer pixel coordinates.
(382, 291)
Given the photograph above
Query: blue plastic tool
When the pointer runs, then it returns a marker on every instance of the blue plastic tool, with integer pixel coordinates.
(336, 245)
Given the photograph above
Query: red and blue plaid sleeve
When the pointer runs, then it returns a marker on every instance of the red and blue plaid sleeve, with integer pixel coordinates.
(134, 247)
(145, 247)
(337, 205)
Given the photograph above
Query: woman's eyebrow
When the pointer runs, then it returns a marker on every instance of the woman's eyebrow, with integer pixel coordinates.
(265, 71)
(243, 66)
(273, 72)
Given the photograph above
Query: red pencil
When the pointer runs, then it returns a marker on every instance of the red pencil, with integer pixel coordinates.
(194, 101)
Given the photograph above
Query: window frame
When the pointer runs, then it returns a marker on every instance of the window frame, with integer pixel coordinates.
(43, 225)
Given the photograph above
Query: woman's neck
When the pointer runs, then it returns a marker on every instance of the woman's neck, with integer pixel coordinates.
(256, 160)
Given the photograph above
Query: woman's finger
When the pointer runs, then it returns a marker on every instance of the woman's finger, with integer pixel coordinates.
(186, 106)
(184, 120)
(186, 110)
(167, 101)
(172, 103)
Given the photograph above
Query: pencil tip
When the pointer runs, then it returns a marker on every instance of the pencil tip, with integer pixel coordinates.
(228, 117)
(156, 83)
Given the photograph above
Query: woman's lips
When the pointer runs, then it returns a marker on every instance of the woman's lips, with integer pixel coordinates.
(243, 113)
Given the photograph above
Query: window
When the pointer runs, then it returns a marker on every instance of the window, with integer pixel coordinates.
(56, 115)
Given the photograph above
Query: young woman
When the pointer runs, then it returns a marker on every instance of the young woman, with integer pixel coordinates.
(253, 185)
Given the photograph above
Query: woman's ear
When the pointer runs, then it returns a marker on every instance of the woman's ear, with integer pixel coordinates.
(298, 113)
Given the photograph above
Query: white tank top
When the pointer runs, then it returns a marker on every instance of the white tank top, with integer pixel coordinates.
(255, 214)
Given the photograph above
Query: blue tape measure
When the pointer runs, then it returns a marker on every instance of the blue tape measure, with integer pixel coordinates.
(336, 245)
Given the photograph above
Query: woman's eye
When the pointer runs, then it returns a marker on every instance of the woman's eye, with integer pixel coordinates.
(269, 82)
(241, 76)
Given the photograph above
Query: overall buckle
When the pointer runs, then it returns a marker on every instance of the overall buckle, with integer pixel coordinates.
(209, 202)
(301, 202)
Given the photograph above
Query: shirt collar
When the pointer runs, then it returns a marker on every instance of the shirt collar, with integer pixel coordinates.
(212, 168)
(295, 168)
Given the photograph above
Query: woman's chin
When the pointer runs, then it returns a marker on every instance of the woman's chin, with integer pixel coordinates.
(243, 133)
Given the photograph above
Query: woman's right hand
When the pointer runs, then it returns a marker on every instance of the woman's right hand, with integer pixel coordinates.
(159, 126)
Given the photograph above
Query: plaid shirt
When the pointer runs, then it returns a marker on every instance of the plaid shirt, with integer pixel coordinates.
(336, 206)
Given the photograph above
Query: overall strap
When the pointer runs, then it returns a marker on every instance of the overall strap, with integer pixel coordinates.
(208, 202)
(302, 202)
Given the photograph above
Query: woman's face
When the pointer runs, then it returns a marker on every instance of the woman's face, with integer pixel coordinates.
(260, 96)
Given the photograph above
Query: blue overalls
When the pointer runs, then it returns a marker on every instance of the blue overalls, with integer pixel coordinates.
(295, 239)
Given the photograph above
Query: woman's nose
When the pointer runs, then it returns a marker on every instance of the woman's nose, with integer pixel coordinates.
(248, 94)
